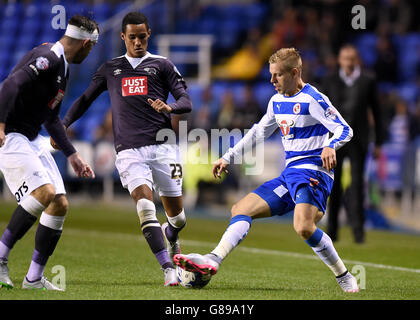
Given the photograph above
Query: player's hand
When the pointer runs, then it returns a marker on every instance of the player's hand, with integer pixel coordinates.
(220, 166)
(159, 105)
(80, 167)
(53, 144)
(329, 159)
(2, 135)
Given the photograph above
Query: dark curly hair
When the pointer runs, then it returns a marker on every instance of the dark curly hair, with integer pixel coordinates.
(134, 18)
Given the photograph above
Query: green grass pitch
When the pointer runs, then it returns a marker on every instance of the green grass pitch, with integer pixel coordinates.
(106, 257)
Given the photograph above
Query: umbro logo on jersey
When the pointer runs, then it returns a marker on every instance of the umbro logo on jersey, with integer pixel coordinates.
(117, 72)
(58, 79)
(134, 86)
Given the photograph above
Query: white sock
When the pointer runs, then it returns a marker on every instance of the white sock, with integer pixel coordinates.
(35, 271)
(53, 222)
(322, 245)
(4, 251)
(32, 206)
(234, 234)
(178, 221)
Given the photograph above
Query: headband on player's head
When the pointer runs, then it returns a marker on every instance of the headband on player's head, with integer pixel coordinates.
(80, 34)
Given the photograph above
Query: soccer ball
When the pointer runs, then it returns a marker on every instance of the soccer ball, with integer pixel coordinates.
(194, 280)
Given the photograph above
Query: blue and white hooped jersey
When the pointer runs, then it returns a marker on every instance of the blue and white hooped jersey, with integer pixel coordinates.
(305, 121)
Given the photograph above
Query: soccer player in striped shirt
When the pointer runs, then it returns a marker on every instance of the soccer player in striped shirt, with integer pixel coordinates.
(306, 118)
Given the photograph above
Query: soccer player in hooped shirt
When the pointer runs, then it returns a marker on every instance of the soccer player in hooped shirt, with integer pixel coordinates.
(30, 97)
(305, 117)
(138, 84)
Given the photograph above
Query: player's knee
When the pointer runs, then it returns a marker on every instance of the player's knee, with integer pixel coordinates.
(235, 210)
(303, 231)
(61, 205)
(44, 194)
(146, 211)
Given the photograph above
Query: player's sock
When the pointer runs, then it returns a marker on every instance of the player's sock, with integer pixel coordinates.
(21, 221)
(322, 245)
(152, 232)
(46, 239)
(175, 225)
(236, 231)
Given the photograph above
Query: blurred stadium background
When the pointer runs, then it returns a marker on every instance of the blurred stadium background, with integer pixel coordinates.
(221, 48)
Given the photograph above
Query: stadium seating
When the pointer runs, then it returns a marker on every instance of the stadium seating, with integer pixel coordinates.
(22, 26)
(366, 45)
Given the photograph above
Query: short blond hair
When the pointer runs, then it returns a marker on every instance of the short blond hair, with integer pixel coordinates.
(289, 57)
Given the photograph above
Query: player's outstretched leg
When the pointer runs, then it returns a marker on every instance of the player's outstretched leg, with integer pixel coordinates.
(254, 207)
(209, 264)
(152, 232)
(322, 245)
(21, 221)
(48, 234)
(305, 217)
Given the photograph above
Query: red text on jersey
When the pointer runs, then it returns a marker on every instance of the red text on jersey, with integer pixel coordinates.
(56, 100)
(134, 86)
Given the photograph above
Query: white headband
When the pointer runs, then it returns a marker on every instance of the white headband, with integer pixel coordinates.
(80, 34)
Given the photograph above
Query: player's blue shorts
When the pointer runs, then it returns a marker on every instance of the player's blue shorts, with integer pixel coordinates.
(294, 186)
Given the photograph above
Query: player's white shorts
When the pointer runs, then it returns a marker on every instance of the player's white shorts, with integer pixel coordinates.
(27, 165)
(157, 166)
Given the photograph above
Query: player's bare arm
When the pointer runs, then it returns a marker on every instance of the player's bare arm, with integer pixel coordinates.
(2, 134)
(219, 167)
(329, 159)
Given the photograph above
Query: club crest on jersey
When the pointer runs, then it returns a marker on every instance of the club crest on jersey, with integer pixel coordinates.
(150, 70)
(330, 114)
(42, 63)
(296, 108)
(134, 86)
(285, 126)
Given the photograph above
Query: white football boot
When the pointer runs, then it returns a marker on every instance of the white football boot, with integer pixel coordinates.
(42, 284)
(172, 247)
(5, 281)
(348, 283)
(171, 279)
(195, 262)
